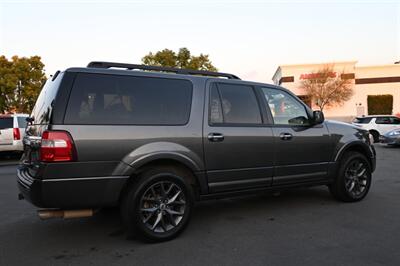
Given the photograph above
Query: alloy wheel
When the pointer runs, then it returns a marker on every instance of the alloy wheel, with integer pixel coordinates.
(356, 178)
(162, 206)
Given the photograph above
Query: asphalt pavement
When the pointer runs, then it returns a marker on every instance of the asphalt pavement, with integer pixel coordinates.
(298, 227)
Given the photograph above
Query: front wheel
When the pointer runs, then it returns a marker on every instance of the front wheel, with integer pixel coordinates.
(157, 208)
(354, 178)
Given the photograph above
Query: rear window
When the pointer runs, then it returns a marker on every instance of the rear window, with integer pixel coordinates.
(362, 120)
(44, 103)
(120, 100)
(21, 122)
(6, 122)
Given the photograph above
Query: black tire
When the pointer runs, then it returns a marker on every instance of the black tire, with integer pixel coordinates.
(352, 185)
(144, 200)
(375, 135)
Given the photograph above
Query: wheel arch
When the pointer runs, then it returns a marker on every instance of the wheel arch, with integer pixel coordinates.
(195, 177)
(356, 146)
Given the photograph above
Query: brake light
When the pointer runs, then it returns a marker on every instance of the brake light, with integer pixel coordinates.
(57, 146)
(16, 133)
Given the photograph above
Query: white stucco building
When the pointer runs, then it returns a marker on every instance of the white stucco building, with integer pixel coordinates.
(367, 80)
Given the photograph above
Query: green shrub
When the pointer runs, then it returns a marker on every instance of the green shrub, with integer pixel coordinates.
(380, 104)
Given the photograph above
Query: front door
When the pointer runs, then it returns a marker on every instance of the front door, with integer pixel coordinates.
(385, 124)
(238, 143)
(303, 150)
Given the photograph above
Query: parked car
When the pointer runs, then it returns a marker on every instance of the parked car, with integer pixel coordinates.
(377, 124)
(154, 142)
(391, 137)
(12, 131)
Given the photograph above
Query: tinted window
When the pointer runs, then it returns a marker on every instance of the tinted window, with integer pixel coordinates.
(6, 122)
(362, 120)
(111, 99)
(43, 106)
(215, 106)
(388, 120)
(285, 109)
(234, 104)
(21, 122)
(395, 120)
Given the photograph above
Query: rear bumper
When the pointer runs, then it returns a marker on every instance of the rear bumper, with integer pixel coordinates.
(70, 193)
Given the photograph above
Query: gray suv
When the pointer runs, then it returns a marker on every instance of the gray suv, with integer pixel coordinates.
(154, 140)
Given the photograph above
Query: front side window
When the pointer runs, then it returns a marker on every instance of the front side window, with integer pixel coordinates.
(233, 104)
(387, 120)
(395, 120)
(285, 109)
(123, 100)
(383, 120)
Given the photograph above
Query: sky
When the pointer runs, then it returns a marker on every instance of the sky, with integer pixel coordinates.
(247, 38)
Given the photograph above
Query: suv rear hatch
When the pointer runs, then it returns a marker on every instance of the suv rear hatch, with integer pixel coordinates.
(40, 121)
(6, 130)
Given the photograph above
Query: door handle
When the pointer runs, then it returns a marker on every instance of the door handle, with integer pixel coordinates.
(215, 137)
(286, 136)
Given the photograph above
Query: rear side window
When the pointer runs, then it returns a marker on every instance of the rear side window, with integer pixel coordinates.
(119, 100)
(6, 122)
(362, 120)
(21, 121)
(233, 104)
(44, 103)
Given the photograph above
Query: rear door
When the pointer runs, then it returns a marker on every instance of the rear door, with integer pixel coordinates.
(303, 150)
(238, 144)
(6, 130)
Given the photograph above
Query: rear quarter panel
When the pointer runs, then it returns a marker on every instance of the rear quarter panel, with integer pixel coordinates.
(104, 150)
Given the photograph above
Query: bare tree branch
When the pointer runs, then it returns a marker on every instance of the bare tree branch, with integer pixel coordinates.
(327, 88)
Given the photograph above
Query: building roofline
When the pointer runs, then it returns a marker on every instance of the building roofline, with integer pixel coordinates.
(375, 66)
(321, 63)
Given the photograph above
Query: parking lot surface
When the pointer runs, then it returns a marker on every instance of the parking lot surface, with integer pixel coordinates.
(298, 227)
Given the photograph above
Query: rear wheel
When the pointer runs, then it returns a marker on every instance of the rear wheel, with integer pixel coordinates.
(158, 206)
(354, 178)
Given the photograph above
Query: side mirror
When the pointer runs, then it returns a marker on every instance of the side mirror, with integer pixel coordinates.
(318, 117)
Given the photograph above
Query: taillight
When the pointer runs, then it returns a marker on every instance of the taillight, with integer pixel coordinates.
(57, 146)
(16, 133)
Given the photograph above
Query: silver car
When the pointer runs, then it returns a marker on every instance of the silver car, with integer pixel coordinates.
(12, 130)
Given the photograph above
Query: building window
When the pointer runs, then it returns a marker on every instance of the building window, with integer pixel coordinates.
(306, 99)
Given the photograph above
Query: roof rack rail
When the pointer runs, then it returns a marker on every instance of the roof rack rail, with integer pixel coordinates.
(100, 64)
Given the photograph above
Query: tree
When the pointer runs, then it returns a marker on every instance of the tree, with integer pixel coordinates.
(326, 87)
(7, 84)
(182, 59)
(21, 80)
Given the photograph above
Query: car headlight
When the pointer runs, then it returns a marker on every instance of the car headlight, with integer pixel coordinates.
(394, 133)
